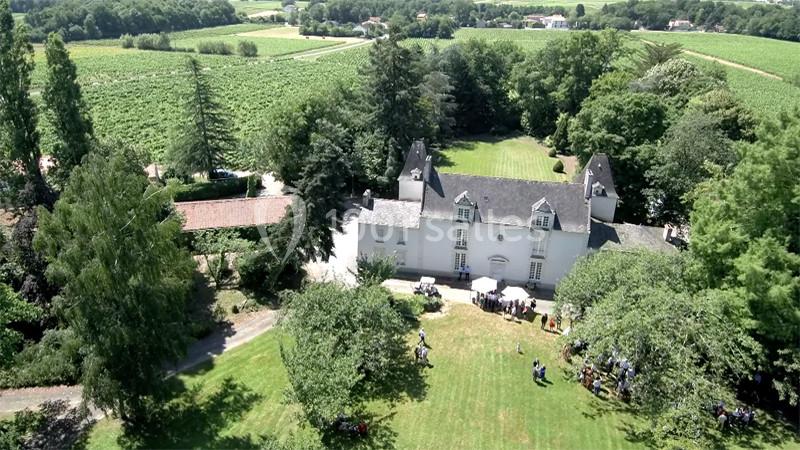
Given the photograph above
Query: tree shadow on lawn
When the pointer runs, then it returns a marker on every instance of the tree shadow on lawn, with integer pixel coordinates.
(193, 419)
(379, 434)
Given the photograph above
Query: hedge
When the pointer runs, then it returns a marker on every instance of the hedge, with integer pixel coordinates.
(214, 189)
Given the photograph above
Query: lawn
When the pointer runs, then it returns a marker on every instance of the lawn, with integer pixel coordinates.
(519, 157)
(781, 58)
(257, 6)
(478, 394)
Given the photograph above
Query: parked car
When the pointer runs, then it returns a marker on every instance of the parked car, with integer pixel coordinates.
(221, 174)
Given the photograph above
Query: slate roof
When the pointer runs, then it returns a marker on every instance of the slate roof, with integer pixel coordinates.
(603, 173)
(626, 236)
(507, 201)
(393, 213)
(414, 160)
(233, 213)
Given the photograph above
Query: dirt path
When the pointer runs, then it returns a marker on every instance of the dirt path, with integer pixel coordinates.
(725, 62)
(326, 51)
(220, 342)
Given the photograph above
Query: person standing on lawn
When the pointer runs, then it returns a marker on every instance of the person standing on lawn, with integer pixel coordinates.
(544, 320)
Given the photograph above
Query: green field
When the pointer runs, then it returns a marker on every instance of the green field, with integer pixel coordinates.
(266, 46)
(257, 6)
(477, 395)
(781, 58)
(570, 5)
(520, 157)
(134, 95)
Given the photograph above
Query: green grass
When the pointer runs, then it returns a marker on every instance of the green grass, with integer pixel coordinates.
(781, 58)
(257, 6)
(519, 157)
(478, 394)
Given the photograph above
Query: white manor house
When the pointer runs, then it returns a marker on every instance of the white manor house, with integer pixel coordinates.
(516, 231)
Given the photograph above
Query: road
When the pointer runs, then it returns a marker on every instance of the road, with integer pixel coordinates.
(219, 342)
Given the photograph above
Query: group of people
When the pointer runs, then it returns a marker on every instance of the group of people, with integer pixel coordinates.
(590, 377)
(740, 417)
(553, 322)
(464, 271)
(494, 302)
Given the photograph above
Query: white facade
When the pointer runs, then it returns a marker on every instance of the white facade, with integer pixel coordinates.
(556, 22)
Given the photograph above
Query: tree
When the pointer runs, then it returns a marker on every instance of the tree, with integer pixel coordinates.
(374, 270)
(345, 344)
(215, 246)
(692, 149)
(247, 49)
(677, 81)
(736, 120)
(322, 186)
(393, 78)
(637, 306)
(558, 77)
(480, 73)
(745, 238)
(124, 280)
(12, 309)
(68, 112)
(654, 54)
(18, 114)
(205, 140)
(580, 10)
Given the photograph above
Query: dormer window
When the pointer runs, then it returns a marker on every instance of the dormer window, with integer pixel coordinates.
(416, 174)
(464, 208)
(542, 215)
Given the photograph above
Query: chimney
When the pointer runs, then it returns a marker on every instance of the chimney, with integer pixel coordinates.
(587, 184)
(366, 199)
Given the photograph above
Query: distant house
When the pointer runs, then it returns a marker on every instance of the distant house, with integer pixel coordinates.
(233, 213)
(154, 172)
(422, 17)
(505, 25)
(359, 29)
(555, 22)
(373, 22)
(679, 25)
(533, 21)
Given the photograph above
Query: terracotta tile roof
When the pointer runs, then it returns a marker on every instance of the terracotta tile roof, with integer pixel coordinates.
(233, 213)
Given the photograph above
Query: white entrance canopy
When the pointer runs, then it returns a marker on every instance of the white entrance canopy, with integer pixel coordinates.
(515, 293)
(484, 285)
(427, 280)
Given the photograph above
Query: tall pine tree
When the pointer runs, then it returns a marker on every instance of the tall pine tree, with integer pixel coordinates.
(68, 112)
(205, 140)
(18, 114)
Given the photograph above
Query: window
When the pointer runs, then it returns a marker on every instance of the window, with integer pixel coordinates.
(539, 247)
(460, 260)
(462, 214)
(461, 238)
(535, 272)
(542, 221)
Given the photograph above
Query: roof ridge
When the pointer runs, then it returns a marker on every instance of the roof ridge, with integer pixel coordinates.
(236, 199)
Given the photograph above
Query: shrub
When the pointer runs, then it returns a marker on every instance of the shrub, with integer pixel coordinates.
(552, 153)
(213, 190)
(248, 49)
(252, 185)
(375, 269)
(153, 42)
(214, 48)
(432, 304)
(127, 41)
(558, 166)
(53, 360)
